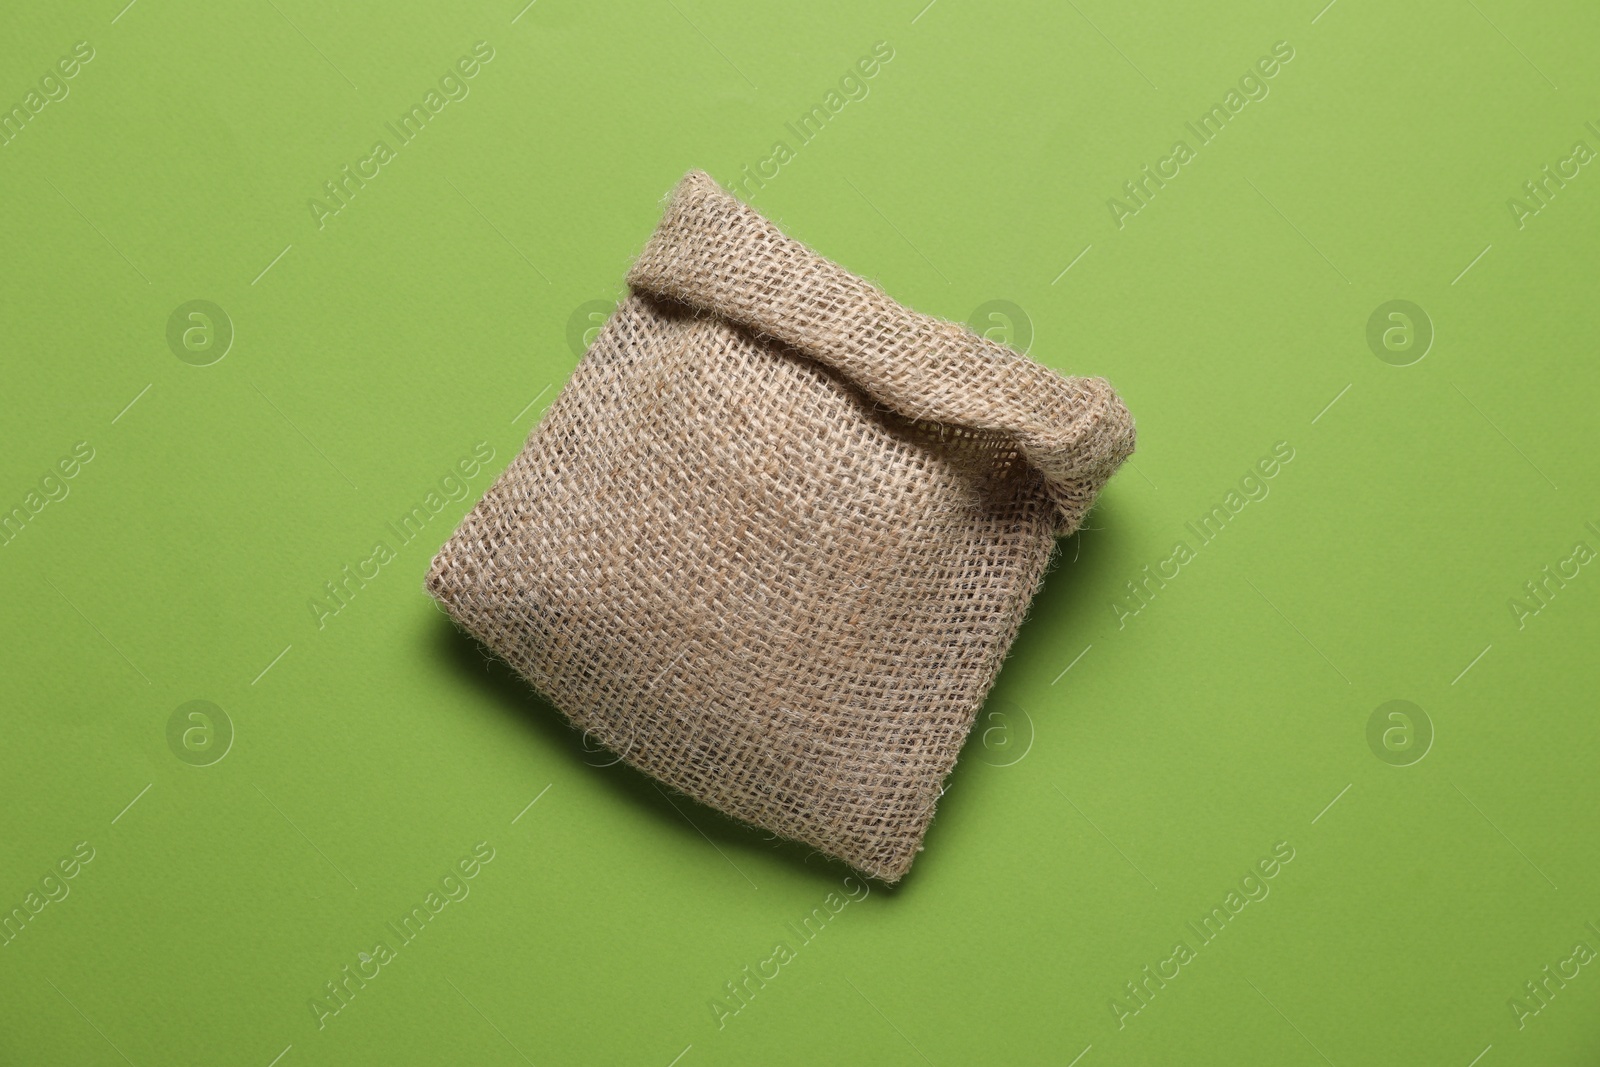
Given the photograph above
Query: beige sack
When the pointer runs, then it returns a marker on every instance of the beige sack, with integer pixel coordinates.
(772, 541)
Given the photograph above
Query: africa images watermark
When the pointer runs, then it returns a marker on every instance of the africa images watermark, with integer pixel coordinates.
(1252, 87)
(341, 589)
(1540, 590)
(199, 733)
(53, 888)
(1542, 190)
(1538, 992)
(1253, 486)
(852, 87)
(53, 487)
(341, 189)
(339, 991)
(1254, 887)
(743, 987)
(53, 88)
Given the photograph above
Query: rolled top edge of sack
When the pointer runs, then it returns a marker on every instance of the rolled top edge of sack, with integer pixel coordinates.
(717, 254)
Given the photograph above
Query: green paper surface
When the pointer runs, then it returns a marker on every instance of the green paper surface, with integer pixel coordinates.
(1293, 763)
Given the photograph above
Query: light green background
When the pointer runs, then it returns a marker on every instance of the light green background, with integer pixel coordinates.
(1094, 813)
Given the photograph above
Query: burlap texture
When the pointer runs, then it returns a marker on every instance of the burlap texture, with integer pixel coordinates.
(773, 539)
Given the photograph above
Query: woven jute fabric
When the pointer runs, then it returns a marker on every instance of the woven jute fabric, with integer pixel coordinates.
(772, 541)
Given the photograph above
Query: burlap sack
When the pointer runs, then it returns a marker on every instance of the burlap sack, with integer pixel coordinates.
(772, 541)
